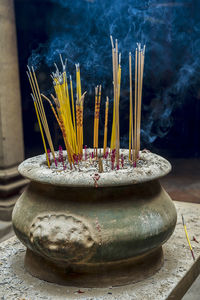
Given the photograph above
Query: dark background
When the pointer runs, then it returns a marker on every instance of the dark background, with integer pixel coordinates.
(80, 31)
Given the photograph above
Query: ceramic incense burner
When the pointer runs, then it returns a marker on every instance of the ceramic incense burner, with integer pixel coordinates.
(85, 228)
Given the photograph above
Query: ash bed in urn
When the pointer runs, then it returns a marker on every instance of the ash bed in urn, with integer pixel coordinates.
(93, 217)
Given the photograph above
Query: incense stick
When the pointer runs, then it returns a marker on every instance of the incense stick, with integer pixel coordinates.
(130, 110)
(139, 70)
(41, 131)
(72, 99)
(106, 126)
(37, 96)
(188, 240)
(98, 111)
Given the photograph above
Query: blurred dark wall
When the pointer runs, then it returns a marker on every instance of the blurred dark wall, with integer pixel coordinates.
(171, 94)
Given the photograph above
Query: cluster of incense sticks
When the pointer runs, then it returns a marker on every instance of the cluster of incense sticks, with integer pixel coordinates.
(134, 131)
(40, 112)
(69, 111)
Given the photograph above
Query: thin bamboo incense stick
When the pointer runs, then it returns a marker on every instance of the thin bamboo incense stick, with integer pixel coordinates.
(114, 101)
(113, 138)
(41, 109)
(131, 109)
(36, 97)
(139, 90)
(41, 131)
(139, 99)
(95, 117)
(117, 103)
(81, 119)
(72, 99)
(98, 111)
(139, 69)
(78, 125)
(135, 108)
(141, 83)
(73, 114)
(188, 240)
(118, 99)
(106, 126)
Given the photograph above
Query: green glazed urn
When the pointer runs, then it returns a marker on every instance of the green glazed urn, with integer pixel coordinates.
(92, 229)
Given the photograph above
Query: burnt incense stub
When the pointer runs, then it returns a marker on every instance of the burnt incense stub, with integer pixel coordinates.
(86, 228)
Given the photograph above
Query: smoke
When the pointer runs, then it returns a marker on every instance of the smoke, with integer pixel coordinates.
(80, 31)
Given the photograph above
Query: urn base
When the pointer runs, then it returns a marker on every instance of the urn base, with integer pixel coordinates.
(102, 275)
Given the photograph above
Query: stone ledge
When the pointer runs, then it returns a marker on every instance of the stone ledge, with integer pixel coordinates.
(9, 173)
(11, 182)
(6, 207)
(5, 228)
(171, 282)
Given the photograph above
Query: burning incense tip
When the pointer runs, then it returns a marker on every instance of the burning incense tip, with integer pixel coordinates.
(120, 57)
(33, 97)
(111, 39)
(183, 220)
(63, 66)
(29, 68)
(144, 49)
(57, 70)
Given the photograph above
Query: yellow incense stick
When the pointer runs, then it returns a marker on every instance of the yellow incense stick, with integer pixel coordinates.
(41, 113)
(113, 133)
(40, 108)
(187, 237)
(130, 109)
(41, 131)
(97, 119)
(72, 99)
(106, 126)
(135, 108)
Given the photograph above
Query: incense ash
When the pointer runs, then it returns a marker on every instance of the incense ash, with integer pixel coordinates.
(150, 166)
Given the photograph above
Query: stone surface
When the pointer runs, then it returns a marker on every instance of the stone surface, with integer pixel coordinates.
(179, 185)
(194, 292)
(171, 282)
(5, 228)
(7, 235)
(6, 207)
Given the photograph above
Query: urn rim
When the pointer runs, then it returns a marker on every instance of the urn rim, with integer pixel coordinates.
(36, 170)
